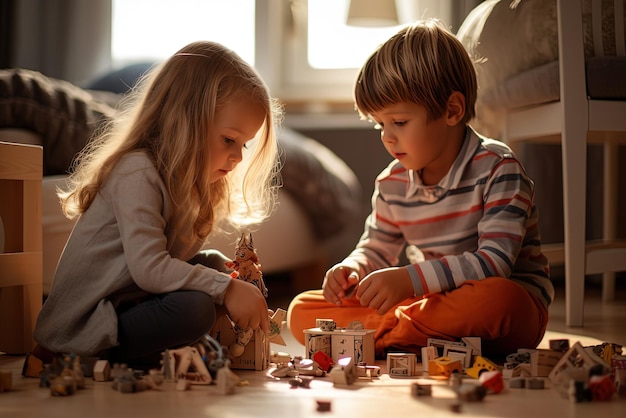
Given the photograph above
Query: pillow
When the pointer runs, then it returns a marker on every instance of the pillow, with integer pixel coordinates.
(322, 183)
(534, 86)
(605, 77)
(62, 113)
(515, 45)
(122, 80)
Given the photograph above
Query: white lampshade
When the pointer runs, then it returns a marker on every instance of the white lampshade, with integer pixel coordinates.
(372, 13)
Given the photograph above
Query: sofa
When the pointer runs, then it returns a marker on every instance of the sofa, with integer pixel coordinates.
(317, 203)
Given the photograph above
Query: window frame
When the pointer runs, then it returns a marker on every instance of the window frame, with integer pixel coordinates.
(281, 33)
(281, 42)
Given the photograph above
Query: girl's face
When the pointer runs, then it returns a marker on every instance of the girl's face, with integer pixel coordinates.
(427, 147)
(236, 123)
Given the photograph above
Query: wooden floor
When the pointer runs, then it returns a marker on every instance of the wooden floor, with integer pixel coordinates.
(264, 397)
(602, 320)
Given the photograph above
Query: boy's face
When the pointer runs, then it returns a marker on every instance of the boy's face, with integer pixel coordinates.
(416, 143)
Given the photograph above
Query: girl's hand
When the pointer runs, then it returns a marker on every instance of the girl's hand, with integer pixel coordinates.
(246, 305)
(340, 282)
(381, 290)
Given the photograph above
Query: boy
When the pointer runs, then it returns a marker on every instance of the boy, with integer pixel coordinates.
(462, 203)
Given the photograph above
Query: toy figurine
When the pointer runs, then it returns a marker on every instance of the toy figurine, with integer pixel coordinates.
(77, 371)
(213, 354)
(246, 263)
(245, 267)
(248, 348)
(181, 360)
(62, 386)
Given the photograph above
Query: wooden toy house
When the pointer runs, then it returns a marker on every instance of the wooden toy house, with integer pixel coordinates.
(256, 353)
(339, 343)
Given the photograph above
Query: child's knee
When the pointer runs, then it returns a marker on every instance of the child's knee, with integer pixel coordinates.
(198, 310)
(503, 292)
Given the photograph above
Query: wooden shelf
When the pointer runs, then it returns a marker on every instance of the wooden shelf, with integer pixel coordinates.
(21, 266)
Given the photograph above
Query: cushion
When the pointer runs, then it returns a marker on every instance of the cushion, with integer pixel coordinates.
(534, 86)
(515, 45)
(321, 182)
(605, 77)
(62, 113)
(121, 80)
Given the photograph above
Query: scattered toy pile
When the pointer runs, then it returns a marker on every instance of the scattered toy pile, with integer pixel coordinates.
(596, 373)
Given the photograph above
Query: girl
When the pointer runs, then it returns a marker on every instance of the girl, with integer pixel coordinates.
(148, 191)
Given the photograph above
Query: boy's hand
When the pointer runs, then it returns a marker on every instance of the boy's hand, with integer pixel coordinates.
(246, 305)
(340, 282)
(381, 290)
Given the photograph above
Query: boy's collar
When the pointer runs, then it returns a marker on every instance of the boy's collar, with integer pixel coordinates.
(430, 194)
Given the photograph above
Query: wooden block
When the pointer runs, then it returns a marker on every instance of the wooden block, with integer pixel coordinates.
(444, 366)
(464, 354)
(33, 366)
(344, 372)
(421, 390)
(102, 371)
(535, 383)
(340, 343)
(541, 360)
(440, 344)
(511, 372)
(517, 383)
(401, 364)
(559, 345)
(182, 384)
(475, 343)
(323, 405)
(6, 381)
(481, 364)
(428, 353)
(577, 357)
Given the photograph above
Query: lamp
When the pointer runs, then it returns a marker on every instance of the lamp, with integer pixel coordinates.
(372, 13)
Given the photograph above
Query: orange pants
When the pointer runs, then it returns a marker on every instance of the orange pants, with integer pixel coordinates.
(499, 311)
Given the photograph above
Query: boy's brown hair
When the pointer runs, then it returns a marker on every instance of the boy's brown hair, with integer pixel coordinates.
(423, 63)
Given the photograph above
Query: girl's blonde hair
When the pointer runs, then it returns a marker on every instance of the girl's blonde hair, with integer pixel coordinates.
(169, 116)
(422, 63)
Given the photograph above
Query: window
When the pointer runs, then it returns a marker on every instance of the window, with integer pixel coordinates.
(332, 44)
(302, 48)
(152, 30)
(318, 55)
(325, 53)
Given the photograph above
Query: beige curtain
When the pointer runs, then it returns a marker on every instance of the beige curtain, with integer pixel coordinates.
(66, 39)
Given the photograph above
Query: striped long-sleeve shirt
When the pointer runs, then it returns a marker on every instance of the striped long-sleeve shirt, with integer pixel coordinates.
(479, 221)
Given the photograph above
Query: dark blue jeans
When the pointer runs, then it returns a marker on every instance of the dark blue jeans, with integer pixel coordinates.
(160, 322)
